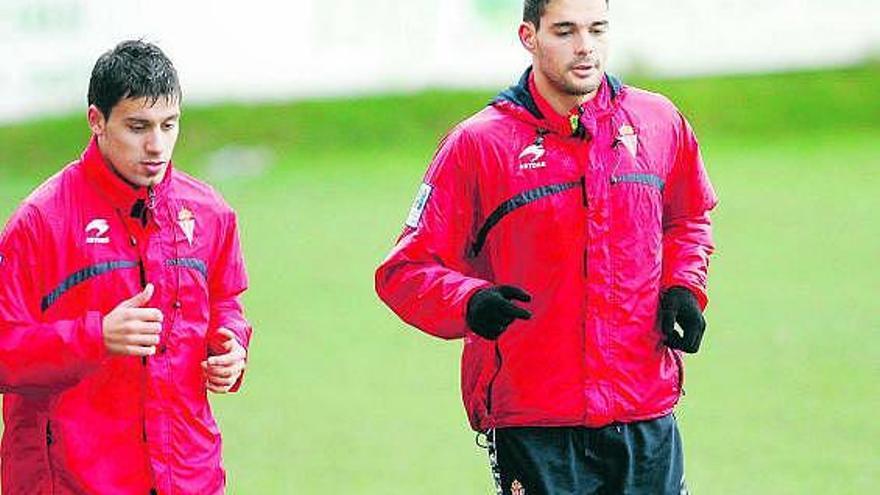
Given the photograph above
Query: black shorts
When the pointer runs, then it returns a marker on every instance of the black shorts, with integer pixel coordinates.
(640, 458)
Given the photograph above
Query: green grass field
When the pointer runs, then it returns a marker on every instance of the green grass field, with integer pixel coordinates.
(341, 397)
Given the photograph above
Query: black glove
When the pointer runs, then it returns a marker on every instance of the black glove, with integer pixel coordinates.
(489, 311)
(679, 304)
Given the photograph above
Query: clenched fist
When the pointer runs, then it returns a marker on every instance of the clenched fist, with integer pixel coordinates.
(132, 329)
(226, 363)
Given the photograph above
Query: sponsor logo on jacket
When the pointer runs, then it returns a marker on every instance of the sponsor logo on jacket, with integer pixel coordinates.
(418, 206)
(530, 157)
(96, 231)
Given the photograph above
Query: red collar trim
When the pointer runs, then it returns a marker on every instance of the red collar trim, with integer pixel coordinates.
(114, 188)
(597, 106)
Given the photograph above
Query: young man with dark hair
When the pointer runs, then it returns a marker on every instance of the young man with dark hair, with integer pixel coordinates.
(120, 279)
(562, 232)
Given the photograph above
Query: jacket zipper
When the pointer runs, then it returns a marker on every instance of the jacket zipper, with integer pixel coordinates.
(151, 203)
(151, 207)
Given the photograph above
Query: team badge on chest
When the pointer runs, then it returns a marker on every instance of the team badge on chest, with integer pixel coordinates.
(187, 222)
(627, 135)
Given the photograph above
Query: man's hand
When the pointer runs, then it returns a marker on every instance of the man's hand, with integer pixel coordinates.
(679, 305)
(489, 311)
(131, 329)
(226, 363)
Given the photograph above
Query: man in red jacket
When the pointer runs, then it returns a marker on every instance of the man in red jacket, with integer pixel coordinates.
(562, 232)
(119, 305)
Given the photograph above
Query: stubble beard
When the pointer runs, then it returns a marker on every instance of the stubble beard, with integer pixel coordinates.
(570, 88)
(574, 89)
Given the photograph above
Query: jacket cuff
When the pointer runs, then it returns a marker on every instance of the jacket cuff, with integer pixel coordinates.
(242, 332)
(698, 292)
(468, 290)
(239, 381)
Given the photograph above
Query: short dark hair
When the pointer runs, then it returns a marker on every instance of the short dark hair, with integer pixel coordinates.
(533, 10)
(132, 69)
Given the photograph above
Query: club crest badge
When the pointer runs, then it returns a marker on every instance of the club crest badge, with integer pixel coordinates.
(516, 488)
(187, 222)
(627, 135)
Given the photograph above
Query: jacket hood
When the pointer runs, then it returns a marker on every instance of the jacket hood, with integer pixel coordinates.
(523, 101)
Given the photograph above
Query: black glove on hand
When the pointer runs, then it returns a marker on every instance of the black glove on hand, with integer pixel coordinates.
(489, 311)
(679, 304)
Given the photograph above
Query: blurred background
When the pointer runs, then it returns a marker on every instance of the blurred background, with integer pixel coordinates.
(317, 119)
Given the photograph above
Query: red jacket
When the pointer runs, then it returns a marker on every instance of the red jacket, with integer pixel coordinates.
(76, 419)
(593, 221)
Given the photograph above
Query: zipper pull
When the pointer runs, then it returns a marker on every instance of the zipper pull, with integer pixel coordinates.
(151, 197)
(539, 138)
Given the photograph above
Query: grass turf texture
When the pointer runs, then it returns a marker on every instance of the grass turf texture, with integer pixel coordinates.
(342, 398)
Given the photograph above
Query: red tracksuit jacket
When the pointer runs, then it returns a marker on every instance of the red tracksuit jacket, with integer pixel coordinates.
(594, 217)
(80, 421)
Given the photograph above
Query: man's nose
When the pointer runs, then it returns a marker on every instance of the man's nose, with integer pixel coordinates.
(585, 44)
(154, 143)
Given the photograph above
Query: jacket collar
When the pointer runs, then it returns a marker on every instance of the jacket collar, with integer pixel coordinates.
(114, 188)
(525, 102)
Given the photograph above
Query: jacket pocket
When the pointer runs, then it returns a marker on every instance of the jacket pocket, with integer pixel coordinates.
(646, 179)
(480, 366)
(498, 362)
(680, 367)
(190, 277)
(636, 212)
(50, 442)
(515, 203)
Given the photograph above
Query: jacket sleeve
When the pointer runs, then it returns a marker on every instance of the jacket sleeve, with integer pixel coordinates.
(687, 228)
(38, 356)
(425, 279)
(228, 280)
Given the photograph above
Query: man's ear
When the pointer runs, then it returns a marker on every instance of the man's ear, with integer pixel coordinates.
(527, 35)
(96, 119)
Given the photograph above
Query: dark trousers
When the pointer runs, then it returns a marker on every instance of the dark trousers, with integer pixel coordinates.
(641, 458)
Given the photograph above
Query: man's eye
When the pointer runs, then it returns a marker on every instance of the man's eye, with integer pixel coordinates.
(169, 126)
(137, 128)
(563, 34)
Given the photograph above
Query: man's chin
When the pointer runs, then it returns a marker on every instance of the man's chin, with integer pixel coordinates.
(583, 88)
(146, 180)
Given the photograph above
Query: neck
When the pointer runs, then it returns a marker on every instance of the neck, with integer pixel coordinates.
(561, 102)
(112, 168)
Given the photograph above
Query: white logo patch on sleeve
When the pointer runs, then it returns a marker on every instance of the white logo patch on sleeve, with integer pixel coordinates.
(418, 206)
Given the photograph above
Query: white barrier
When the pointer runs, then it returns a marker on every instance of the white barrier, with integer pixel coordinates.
(263, 49)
